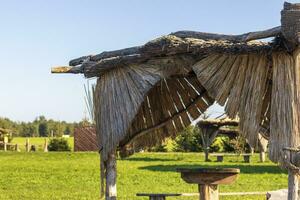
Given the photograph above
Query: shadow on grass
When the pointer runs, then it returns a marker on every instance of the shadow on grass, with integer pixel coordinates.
(245, 169)
(145, 159)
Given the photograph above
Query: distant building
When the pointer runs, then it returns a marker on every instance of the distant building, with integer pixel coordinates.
(85, 139)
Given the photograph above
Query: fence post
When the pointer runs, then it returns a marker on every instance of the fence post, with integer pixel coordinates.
(27, 145)
(5, 143)
(17, 148)
(46, 145)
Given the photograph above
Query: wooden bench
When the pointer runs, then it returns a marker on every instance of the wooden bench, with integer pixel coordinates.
(153, 196)
(162, 196)
(220, 157)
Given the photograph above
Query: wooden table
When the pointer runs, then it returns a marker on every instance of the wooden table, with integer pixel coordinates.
(208, 179)
(157, 196)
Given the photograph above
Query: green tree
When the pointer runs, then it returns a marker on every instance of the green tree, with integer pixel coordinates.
(43, 129)
(187, 141)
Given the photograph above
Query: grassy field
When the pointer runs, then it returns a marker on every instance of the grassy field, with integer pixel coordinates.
(76, 175)
(37, 141)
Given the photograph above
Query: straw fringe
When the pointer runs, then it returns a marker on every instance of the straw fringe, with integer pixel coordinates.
(172, 105)
(284, 104)
(242, 80)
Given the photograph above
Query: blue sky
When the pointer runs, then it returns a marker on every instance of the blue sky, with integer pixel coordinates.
(36, 35)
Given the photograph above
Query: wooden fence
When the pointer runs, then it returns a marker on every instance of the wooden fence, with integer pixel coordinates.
(85, 139)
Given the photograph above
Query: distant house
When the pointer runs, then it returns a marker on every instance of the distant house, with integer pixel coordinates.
(85, 139)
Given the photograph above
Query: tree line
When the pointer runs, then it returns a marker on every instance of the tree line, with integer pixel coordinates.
(41, 127)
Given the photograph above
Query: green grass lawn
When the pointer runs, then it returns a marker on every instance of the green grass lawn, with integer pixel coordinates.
(76, 175)
(37, 141)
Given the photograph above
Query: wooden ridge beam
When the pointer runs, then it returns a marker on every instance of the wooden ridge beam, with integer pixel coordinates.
(181, 42)
(66, 70)
(272, 32)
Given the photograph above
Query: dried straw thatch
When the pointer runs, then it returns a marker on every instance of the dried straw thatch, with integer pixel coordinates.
(154, 90)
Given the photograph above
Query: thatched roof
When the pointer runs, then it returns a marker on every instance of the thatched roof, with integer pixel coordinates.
(157, 89)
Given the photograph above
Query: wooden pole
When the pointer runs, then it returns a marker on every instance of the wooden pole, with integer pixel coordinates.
(208, 192)
(17, 148)
(27, 145)
(111, 177)
(262, 156)
(5, 143)
(206, 152)
(5, 146)
(262, 146)
(46, 145)
(293, 185)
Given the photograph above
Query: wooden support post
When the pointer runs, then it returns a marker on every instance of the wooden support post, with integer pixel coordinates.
(262, 146)
(111, 177)
(206, 152)
(251, 150)
(293, 186)
(27, 145)
(262, 156)
(207, 136)
(5, 146)
(17, 148)
(208, 192)
(46, 145)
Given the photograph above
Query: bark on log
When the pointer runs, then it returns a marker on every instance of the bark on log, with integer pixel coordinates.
(272, 32)
(164, 46)
(105, 54)
(182, 34)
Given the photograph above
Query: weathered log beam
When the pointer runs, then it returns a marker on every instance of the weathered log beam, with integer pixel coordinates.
(182, 34)
(166, 46)
(272, 32)
(105, 54)
(66, 70)
(92, 68)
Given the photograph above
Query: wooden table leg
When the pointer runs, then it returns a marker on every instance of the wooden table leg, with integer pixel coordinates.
(208, 192)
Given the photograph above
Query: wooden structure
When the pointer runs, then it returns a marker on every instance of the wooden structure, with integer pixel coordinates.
(85, 139)
(209, 130)
(154, 90)
(208, 180)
